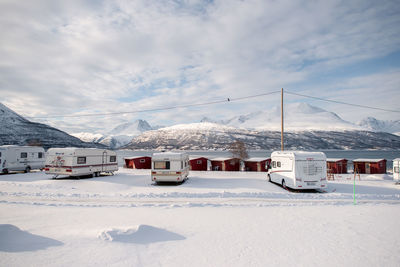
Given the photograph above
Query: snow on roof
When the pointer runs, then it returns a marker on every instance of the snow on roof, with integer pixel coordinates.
(299, 154)
(196, 157)
(335, 159)
(221, 159)
(256, 159)
(367, 160)
(396, 159)
(137, 157)
(169, 155)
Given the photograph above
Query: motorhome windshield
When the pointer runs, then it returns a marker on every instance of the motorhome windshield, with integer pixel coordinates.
(161, 165)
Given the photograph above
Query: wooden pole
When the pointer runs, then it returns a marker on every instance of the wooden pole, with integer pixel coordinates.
(282, 148)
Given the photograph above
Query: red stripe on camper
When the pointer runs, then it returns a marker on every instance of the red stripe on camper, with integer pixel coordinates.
(83, 166)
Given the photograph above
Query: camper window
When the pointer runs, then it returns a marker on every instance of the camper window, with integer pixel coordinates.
(24, 155)
(278, 164)
(113, 158)
(274, 164)
(161, 165)
(40, 155)
(0, 154)
(181, 164)
(81, 160)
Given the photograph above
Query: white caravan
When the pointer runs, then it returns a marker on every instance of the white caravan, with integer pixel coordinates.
(169, 167)
(21, 158)
(298, 169)
(396, 169)
(74, 161)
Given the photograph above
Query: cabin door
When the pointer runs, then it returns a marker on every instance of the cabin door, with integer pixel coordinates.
(104, 161)
(367, 168)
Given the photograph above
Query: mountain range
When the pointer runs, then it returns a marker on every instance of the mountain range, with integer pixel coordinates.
(306, 127)
(16, 130)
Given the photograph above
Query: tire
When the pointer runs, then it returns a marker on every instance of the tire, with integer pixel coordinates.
(28, 169)
(96, 174)
(283, 184)
(5, 171)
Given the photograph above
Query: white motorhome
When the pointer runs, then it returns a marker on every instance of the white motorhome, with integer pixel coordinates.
(396, 169)
(169, 167)
(298, 169)
(21, 158)
(74, 161)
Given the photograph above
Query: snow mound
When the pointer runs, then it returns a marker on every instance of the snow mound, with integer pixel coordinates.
(14, 239)
(143, 234)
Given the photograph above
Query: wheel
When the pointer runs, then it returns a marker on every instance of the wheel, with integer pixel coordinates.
(28, 169)
(283, 184)
(5, 171)
(96, 174)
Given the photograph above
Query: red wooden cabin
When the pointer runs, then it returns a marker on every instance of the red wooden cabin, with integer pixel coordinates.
(225, 164)
(256, 164)
(370, 166)
(336, 166)
(198, 163)
(141, 162)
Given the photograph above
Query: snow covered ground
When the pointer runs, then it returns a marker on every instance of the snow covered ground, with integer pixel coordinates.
(214, 219)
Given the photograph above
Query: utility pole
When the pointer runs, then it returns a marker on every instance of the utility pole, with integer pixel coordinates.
(282, 148)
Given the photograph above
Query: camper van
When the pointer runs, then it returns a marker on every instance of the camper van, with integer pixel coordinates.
(169, 167)
(73, 161)
(396, 169)
(298, 169)
(21, 158)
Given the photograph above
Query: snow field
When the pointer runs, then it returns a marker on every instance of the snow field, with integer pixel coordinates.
(214, 219)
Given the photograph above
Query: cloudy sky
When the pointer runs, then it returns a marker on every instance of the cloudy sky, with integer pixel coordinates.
(85, 57)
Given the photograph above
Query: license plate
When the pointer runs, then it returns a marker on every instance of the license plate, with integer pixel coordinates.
(311, 183)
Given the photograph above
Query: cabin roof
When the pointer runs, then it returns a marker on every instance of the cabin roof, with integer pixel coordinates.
(197, 157)
(137, 157)
(256, 159)
(367, 160)
(335, 159)
(222, 159)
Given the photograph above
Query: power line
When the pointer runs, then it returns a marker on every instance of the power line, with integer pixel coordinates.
(344, 103)
(156, 109)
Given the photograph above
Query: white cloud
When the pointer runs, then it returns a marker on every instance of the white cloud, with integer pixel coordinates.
(66, 57)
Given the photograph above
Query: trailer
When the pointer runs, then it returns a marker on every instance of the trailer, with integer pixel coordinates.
(298, 169)
(21, 158)
(396, 169)
(74, 161)
(169, 167)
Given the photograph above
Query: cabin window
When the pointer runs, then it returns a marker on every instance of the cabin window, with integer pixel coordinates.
(161, 165)
(113, 158)
(142, 160)
(199, 162)
(24, 155)
(81, 160)
(40, 155)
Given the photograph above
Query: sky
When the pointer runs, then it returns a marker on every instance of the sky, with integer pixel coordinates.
(88, 57)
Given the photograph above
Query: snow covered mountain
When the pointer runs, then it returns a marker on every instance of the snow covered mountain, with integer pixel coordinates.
(117, 137)
(375, 125)
(306, 127)
(206, 135)
(297, 116)
(16, 130)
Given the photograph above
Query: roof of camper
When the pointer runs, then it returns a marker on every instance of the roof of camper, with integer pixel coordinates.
(72, 150)
(169, 156)
(299, 154)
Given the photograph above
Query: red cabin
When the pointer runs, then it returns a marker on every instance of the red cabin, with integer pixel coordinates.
(256, 164)
(336, 166)
(198, 163)
(225, 164)
(370, 166)
(138, 162)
